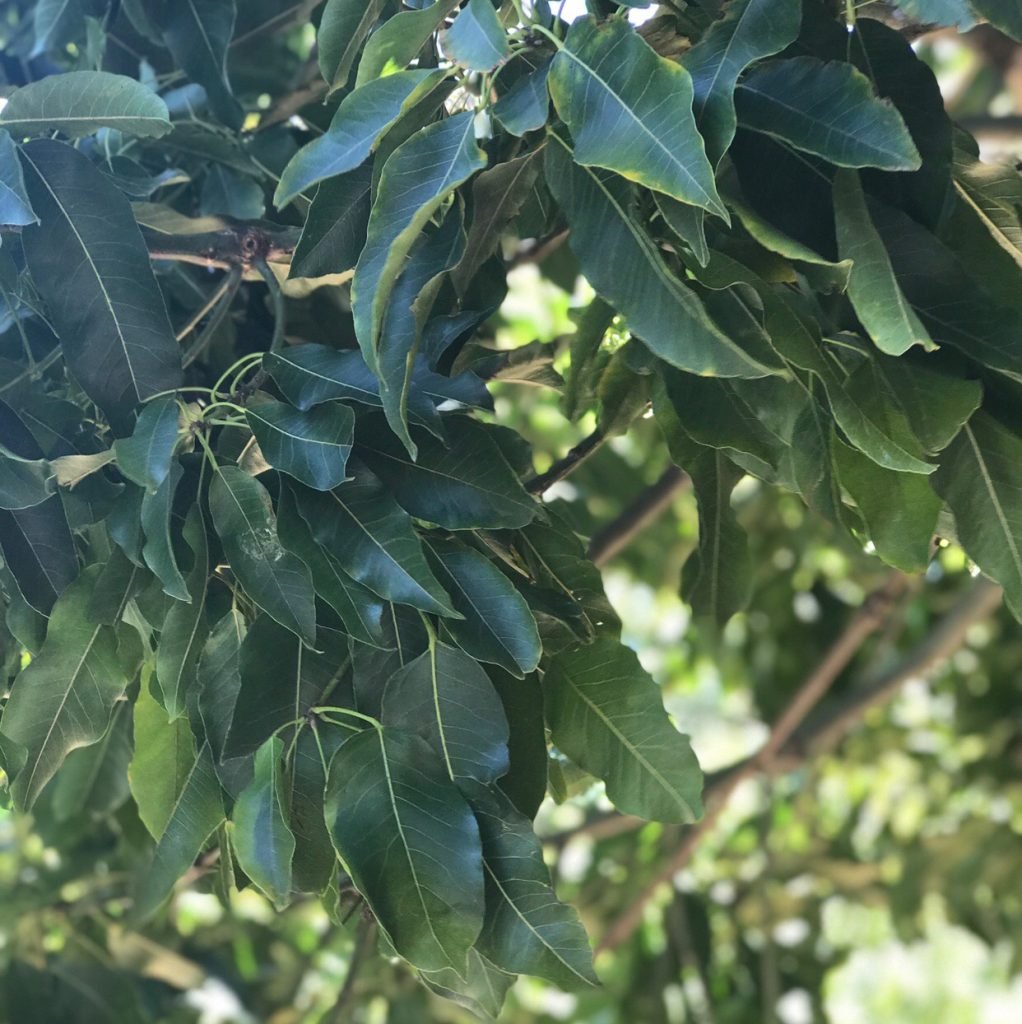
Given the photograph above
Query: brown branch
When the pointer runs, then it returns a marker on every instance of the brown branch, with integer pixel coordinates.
(341, 1010)
(647, 508)
(239, 244)
(564, 467)
(540, 249)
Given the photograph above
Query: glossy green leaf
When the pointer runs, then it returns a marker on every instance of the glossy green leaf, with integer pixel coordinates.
(1004, 14)
(64, 698)
(526, 929)
(39, 551)
(826, 109)
(480, 987)
(355, 129)
(687, 222)
(343, 28)
(606, 714)
(145, 457)
(24, 483)
(526, 780)
(526, 105)
(445, 697)
(261, 837)
(979, 478)
(410, 843)
(873, 289)
(630, 111)
(275, 579)
(15, 206)
(476, 39)
(748, 31)
(79, 103)
(636, 281)
(335, 226)
(395, 44)
(372, 539)
(466, 485)
(157, 525)
(498, 626)
(218, 676)
(417, 177)
(90, 264)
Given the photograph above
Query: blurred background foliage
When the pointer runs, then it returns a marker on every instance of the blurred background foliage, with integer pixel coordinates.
(872, 882)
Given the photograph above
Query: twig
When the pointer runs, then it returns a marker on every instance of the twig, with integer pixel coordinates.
(540, 249)
(648, 507)
(239, 244)
(224, 297)
(563, 467)
(363, 947)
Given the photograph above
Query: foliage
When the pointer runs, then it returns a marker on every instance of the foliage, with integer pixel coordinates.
(285, 608)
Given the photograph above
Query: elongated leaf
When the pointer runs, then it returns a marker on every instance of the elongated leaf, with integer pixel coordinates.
(39, 551)
(24, 483)
(15, 206)
(261, 837)
(468, 485)
(404, 639)
(749, 31)
(979, 478)
(826, 109)
(481, 987)
(56, 22)
(79, 103)
(219, 680)
(874, 290)
(372, 539)
(145, 457)
(275, 579)
(498, 626)
(606, 714)
(476, 39)
(447, 699)
(411, 844)
(418, 176)
(90, 264)
(396, 43)
(158, 552)
(63, 699)
(343, 29)
(526, 105)
(630, 110)
(625, 268)
(355, 129)
(335, 226)
(311, 446)
(526, 929)
(198, 34)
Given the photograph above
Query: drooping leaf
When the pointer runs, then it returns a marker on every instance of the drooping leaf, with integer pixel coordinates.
(64, 698)
(275, 579)
(417, 177)
(79, 103)
(526, 929)
(481, 987)
(873, 289)
(90, 264)
(218, 676)
(343, 29)
(145, 457)
(526, 780)
(24, 483)
(447, 699)
(404, 638)
(826, 109)
(372, 539)
(659, 308)
(395, 44)
(526, 105)
(411, 844)
(15, 206)
(476, 39)
(361, 119)
(261, 837)
(630, 111)
(749, 31)
(157, 524)
(606, 714)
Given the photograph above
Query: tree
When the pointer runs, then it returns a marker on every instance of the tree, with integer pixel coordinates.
(289, 606)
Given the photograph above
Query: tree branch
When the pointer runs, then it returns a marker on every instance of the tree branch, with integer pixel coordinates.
(563, 467)
(340, 1012)
(239, 244)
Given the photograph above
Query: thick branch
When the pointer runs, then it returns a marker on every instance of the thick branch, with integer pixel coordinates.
(239, 244)
(563, 467)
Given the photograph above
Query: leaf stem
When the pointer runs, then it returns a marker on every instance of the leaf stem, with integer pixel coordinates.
(279, 305)
(330, 709)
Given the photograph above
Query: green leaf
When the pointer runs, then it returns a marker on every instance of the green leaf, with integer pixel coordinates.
(198, 34)
(419, 175)
(355, 129)
(1003, 14)
(606, 714)
(218, 675)
(261, 838)
(899, 509)
(79, 103)
(526, 105)
(64, 698)
(39, 551)
(372, 539)
(979, 477)
(410, 843)
(940, 12)
(91, 266)
(343, 28)
(687, 222)
(481, 987)
(497, 625)
(526, 780)
(465, 486)
(749, 31)
(625, 268)
(24, 483)
(311, 446)
(158, 552)
(55, 22)
(396, 43)
(826, 109)
(335, 226)
(15, 206)
(873, 289)
(447, 699)
(273, 578)
(526, 929)
(630, 110)
(476, 39)
(145, 457)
